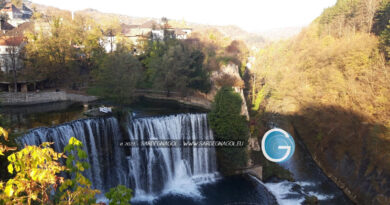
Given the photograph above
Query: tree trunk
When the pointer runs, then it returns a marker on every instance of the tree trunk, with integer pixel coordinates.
(15, 81)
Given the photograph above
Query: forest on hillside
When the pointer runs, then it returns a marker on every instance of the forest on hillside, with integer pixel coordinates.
(332, 83)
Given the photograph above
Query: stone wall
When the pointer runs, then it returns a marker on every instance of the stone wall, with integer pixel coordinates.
(30, 98)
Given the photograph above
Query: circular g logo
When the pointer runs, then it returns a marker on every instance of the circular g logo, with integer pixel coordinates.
(277, 145)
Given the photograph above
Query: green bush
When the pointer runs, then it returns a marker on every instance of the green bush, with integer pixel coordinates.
(119, 195)
(228, 124)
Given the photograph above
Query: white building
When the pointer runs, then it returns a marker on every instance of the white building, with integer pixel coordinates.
(178, 33)
(9, 53)
(108, 43)
(158, 34)
(182, 33)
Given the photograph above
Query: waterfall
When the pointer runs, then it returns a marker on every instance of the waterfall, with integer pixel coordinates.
(149, 171)
(177, 169)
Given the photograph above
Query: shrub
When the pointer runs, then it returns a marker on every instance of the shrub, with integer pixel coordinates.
(35, 169)
(228, 124)
(119, 195)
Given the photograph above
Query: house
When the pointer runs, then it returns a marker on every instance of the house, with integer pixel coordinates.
(16, 16)
(178, 33)
(134, 33)
(5, 26)
(27, 12)
(158, 34)
(10, 47)
(138, 33)
(9, 30)
(182, 33)
(109, 43)
(11, 10)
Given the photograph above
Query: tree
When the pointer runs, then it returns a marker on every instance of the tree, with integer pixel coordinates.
(176, 66)
(36, 169)
(168, 34)
(77, 189)
(36, 177)
(370, 7)
(228, 124)
(4, 148)
(86, 37)
(385, 41)
(52, 55)
(17, 3)
(172, 70)
(118, 76)
(12, 60)
(111, 28)
(382, 17)
(198, 77)
(119, 195)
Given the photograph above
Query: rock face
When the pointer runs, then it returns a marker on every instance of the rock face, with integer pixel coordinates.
(229, 74)
(340, 147)
(253, 144)
(343, 154)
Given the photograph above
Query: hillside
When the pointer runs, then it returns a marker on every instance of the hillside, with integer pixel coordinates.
(235, 33)
(231, 31)
(280, 33)
(331, 84)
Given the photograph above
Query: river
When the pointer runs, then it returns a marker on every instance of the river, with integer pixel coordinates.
(165, 175)
(309, 181)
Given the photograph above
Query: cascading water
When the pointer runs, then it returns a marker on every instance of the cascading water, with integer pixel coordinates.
(150, 171)
(159, 170)
(100, 138)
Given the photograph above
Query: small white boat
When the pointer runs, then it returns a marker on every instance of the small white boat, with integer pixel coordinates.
(105, 109)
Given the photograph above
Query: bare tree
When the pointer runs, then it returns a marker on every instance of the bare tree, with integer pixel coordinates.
(11, 60)
(370, 9)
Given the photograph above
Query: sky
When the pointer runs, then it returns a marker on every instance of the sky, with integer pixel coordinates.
(251, 15)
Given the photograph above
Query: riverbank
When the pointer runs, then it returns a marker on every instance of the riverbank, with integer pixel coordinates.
(33, 98)
(190, 101)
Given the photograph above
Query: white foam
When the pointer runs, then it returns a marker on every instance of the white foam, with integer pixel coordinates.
(320, 196)
(141, 196)
(183, 186)
(303, 183)
(206, 178)
(101, 199)
(280, 190)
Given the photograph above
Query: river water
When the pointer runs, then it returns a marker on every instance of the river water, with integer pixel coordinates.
(309, 181)
(179, 178)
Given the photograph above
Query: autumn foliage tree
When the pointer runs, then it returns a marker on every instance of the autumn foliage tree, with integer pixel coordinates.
(64, 52)
(76, 189)
(36, 169)
(36, 177)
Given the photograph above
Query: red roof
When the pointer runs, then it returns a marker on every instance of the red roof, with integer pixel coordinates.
(11, 41)
(10, 7)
